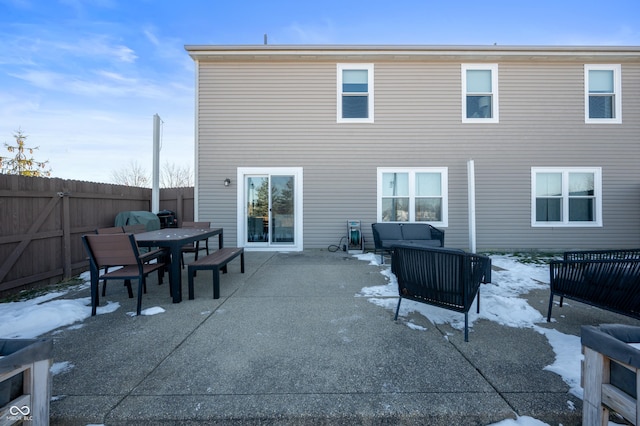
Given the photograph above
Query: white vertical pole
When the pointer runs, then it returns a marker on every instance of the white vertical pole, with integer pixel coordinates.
(196, 139)
(155, 181)
(471, 175)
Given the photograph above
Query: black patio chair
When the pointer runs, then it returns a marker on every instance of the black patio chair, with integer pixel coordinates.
(195, 247)
(117, 250)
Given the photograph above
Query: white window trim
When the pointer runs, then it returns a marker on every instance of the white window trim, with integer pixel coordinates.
(494, 93)
(617, 87)
(370, 93)
(241, 221)
(597, 172)
(444, 172)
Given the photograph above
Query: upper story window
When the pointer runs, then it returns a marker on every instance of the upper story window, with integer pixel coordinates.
(413, 195)
(479, 93)
(566, 196)
(602, 97)
(355, 93)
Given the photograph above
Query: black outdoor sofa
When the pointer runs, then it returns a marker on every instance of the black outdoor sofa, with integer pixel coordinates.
(607, 279)
(388, 234)
(447, 278)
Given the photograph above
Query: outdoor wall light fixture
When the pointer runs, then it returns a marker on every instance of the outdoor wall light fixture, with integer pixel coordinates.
(227, 182)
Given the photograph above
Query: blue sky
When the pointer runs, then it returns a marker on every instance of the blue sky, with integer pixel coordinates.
(83, 78)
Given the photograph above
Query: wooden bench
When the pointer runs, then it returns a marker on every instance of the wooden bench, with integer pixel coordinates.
(215, 262)
(609, 373)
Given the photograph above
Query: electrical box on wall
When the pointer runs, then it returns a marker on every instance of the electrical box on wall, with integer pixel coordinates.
(355, 242)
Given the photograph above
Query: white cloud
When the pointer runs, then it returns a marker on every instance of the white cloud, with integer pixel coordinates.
(97, 46)
(169, 50)
(27, 44)
(116, 77)
(101, 83)
(151, 37)
(41, 79)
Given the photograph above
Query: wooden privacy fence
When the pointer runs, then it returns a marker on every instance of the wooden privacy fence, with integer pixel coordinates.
(42, 220)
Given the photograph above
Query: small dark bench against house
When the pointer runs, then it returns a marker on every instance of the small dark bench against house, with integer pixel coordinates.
(387, 234)
(607, 279)
(215, 262)
(447, 278)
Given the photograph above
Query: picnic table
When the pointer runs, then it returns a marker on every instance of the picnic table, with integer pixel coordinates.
(174, 239)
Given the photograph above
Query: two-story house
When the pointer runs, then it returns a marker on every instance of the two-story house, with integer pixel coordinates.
(293, 141)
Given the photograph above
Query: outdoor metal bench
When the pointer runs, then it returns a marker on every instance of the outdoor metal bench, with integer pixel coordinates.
(607, 279)
(623, 254)
(215, 262)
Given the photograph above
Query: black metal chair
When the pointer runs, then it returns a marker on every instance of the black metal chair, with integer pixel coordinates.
(149, 254)
(195, 247)
(447, 278)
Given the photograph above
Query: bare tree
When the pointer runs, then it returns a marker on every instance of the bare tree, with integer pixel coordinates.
(131, 175)
(171, 176)
(174, 176)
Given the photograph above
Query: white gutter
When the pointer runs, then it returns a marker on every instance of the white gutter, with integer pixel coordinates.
(411, 51)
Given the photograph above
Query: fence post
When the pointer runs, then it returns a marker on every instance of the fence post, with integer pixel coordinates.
(66, 234)
(179, 206)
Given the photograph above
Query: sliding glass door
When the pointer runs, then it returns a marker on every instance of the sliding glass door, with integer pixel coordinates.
(271, 205)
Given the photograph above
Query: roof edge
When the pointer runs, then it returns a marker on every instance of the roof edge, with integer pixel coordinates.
(444, 51)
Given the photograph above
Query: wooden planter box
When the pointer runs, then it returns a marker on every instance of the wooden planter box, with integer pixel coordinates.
(610, 373)
(25, 385)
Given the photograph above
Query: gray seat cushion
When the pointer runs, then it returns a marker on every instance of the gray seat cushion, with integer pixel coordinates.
(390, 231)
(425, 243)
(387, 244)
(416, 231)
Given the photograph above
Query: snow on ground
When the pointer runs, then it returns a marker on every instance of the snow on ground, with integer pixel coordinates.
(31, 318)
(521, 421)
(501, 300)
(34, 317)
(501, 303)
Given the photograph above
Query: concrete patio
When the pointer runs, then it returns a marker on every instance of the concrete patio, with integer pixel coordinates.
(290, 342)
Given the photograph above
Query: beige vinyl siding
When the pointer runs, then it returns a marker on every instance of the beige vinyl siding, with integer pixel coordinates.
(282, 113)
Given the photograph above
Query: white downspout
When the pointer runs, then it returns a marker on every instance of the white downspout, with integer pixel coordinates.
(196, 204)
(155, 180)
(471, 176)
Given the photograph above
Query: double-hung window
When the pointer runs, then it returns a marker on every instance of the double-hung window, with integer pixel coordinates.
(479, 93)
(602, 97)
(413, 195)
(355, 93)
(566, 196)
